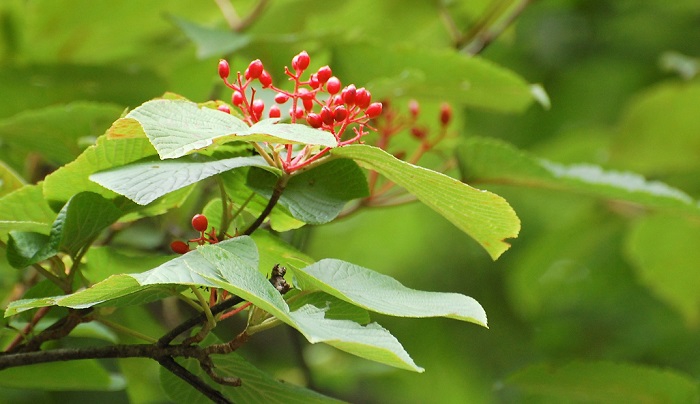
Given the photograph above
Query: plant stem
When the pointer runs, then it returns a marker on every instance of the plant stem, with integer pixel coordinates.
(274, 198)
(225, 216)
(200, 318)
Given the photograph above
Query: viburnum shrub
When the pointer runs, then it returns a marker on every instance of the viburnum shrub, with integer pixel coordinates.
(318, 151)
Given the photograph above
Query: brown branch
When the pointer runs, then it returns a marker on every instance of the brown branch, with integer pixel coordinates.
(274, 198)
(487, 36)
(196, 320)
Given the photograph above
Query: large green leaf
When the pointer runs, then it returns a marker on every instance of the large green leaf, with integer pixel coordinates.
(233, 266)
(605, 382)
(256, 386)
(26, 210)
(179, 127)
(486, 217)
(146, 181)
(77, 224)
(384, 294)
(62, 376)
(665, 254)
(316, 196)
(9, 179)
(486, 160)
(442, 75)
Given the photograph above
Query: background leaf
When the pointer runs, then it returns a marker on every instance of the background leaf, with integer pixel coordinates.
(486, 217)
(74, 375)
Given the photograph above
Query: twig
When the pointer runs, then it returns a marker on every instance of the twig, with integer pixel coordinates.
(189, 377)
(198, 319)
(487, 36)
(276, 194)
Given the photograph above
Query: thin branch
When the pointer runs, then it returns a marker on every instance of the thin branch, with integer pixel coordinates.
(276, 194)
(196, 320)
(57, 330)
(230, 14)
(487, 36)
(190, 378)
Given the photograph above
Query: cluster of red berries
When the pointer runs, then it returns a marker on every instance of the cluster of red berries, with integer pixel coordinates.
(319, 99)
(200, 223)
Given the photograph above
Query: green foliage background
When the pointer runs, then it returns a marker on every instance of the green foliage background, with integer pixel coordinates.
(597, 299)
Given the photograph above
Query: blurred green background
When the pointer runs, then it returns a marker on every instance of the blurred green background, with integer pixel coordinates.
(609, 291)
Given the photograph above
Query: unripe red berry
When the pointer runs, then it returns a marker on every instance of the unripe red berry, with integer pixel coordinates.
(224, 108)
(200, 222)
(301, 61)
(327, 116)
(255, 69)
(418, 133)
(374, 109)
(224, 69)
(299, 113)
(324, 74)
(281, 98)
(314, 120)
(179, 247)
(237, 98)
(274, 112)
(340, 113)
(265, 79)
(445, 114)
(258, 107)
(348, 94)
(414, 108)
(333, 85)
(363, 98)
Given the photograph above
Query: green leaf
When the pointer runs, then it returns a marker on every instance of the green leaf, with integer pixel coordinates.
(489, 160)
(144, 182)
(605, 382)
(211, 41)
(334, 308)
(56, 132)
(256, 387)
(27, 248)
(179, 127)
(26, 210)
(274, 250)
(486, 217)
(73, 178)
(441, 75)
(62, 376)
(665, 254)
(316, 196)
(383, 294)
(9, 180)
(233, 265)
(101, 262)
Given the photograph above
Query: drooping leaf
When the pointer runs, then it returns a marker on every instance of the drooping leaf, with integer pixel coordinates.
(27, 248)
(486, 217)
(384, 294)
(256, 386)
(432, 74)
(62, 376)
(144, 182)
(316, 196)
(26, 210)
(664, 251)
(605, 382)
(233, 265)
(489, 160)
(179, 127)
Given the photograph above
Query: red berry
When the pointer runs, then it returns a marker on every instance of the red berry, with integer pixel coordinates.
(348, 94)
(445, 114)
(257, 108)
(274, 112)
(308, 104)
(224, 69)
(255, 69)
(324, 74)
(363, 98)
(179, 247)
(314, 120)
(237, 98)
(299, 113)
(374, 109)
(265, 79)
(301, 61)
(281, 98)
(327, 116)
(224, 108)
(340, 113)
(418, 133)
(313, 81)
(414, 108)
(333, 85)
(200, 222)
